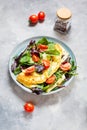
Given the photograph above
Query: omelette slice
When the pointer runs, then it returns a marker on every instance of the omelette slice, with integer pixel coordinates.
(37, 78)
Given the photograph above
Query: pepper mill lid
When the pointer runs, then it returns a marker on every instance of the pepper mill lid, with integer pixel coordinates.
(64, 13)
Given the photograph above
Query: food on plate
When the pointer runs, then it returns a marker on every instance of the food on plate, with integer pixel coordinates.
(43, 66)
(29, 107)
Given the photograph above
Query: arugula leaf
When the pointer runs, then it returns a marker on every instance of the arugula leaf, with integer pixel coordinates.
(74, 67)
(59, 74)
(72, 71)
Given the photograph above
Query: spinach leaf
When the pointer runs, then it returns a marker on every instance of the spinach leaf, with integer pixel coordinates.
(26, 59)
(43, 41)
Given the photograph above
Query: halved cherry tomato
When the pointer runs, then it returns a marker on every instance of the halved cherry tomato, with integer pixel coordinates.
(29, 70)
(51, 79)
(46, 63)
(66, 66)
(28, 107)
(33, 19)
(42, 47)
(35, 58)
(41, 15)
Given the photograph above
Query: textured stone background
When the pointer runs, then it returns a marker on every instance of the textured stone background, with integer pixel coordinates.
(66, 110)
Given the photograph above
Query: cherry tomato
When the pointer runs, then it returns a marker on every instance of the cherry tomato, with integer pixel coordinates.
(66, 66)
(35, 58)
(41, 16)
(46, 63)
(33, 19)
(29, 107)
(29, 70)
(51, 79)
(42, 47)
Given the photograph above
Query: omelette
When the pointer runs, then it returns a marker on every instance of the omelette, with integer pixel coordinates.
(36, 78)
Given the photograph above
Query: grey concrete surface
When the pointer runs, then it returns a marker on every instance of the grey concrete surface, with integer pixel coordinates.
(66, 110)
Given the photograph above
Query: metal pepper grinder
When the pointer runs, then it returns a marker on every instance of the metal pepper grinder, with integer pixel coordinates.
(63, 20)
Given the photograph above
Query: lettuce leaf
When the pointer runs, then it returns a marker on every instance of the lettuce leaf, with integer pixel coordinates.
(51, 50)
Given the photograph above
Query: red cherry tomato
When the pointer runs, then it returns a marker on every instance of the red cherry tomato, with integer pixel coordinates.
(51, 79)
(35, 58)
(42, 47)
(66, 66)
(33, 19)
(46, 63)
(41, 16)
(29, 107)
(29, 70)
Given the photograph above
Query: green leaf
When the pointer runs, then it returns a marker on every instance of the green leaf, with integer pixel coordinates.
(40, 86)
(46, 87)
(41, 55)
(17, 70)
(51, 46)
(26, 59)
(55, 88)
(72, 71)
(51, 50)
(59, 74)
(43, 41)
